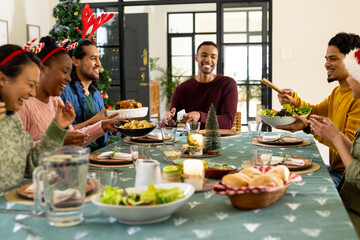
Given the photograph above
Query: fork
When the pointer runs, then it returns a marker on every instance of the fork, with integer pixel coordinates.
(22, 211)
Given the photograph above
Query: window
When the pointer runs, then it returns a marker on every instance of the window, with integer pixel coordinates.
(107, 41)
(185, 32)
(244, 48)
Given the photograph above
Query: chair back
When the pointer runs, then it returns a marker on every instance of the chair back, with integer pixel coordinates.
(237, 122)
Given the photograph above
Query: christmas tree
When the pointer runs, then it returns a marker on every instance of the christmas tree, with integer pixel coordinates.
(68, 20)
(103, 85)
(69, 26)
(212, 137)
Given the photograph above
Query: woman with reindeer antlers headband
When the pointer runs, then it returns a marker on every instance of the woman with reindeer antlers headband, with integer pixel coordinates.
(19, 76)
(82, 92)
(37, 113)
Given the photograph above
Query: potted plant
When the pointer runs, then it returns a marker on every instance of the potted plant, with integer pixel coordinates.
(169, 79)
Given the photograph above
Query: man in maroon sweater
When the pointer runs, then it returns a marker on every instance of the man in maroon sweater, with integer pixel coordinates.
(197, 94)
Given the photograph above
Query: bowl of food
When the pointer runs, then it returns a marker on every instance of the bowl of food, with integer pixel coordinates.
(214, 170)
(143, 205)
(284, 116)
(256, 187)
(135, 128)
(128, 109)
(217, 170)
(172, 153)
(129, 113)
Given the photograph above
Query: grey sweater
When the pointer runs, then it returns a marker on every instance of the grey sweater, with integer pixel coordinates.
(18, 157)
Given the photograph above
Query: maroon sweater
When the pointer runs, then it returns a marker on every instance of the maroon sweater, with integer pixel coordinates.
(194, 96)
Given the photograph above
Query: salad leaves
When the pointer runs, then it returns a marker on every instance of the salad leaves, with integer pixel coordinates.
(116, 196)
(288, 110)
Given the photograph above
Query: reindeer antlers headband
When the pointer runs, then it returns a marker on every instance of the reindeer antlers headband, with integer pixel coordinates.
(36, 49)
(88, 20)
(60, 48)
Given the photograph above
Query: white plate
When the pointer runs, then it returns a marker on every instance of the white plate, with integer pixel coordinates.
(145, 214)
(279, 121)
(130, 113)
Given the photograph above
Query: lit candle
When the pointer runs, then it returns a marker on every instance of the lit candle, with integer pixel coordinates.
(194, 173)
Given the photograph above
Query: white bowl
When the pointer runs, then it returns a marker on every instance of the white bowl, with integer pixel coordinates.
(145, 214)
(279, 121)
(130, 113)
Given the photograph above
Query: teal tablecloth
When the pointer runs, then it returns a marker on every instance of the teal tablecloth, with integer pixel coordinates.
(311, 209)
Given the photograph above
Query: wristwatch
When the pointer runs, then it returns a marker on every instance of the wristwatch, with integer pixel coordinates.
(307, 129)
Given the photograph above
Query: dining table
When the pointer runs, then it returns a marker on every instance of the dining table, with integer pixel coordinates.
(310, 209)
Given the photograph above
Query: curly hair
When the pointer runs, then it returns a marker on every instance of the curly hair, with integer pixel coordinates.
(79, 54)
(16, 65)
(345, 42)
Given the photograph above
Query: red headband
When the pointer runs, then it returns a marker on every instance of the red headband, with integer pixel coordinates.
(60, 48)
(36, 49)
(52, 53)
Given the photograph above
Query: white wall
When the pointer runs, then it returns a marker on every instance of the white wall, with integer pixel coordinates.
(18, 13)
(305, 27)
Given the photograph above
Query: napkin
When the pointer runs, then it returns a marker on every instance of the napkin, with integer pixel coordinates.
(291, 161)
(156, 136)
(30, 189)
(118, 155)
(180, 115)
(270, 138)
(63, 195)
(275, 137)
(288, 139)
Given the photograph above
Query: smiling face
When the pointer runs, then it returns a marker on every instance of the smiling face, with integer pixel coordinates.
(355, 86)
(334, 64)
(87, 68)
(56, 75)
(15, 91)
(206, 58)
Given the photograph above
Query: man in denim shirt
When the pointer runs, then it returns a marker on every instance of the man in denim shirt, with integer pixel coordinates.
(82, 92)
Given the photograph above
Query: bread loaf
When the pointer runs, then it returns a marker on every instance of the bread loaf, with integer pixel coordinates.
(251, 172)
(266, 180)
(236, 180)
(280, 171)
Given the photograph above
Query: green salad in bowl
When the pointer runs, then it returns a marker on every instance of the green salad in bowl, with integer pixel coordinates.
(127, 197)
(284, 116)
(144, 204)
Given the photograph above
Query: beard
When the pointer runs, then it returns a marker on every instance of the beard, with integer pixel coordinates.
(91, 77)
(330, 80)
(206, 72)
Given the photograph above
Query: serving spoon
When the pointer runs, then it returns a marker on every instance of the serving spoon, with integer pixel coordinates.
(277, 89)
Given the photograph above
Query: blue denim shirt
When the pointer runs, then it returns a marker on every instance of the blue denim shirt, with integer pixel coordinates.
(78, 101)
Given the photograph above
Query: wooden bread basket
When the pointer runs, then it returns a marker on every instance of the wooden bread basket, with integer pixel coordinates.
(250, 201)
(249, 198)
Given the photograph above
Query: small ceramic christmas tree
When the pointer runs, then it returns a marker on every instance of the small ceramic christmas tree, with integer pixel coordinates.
(212, 137)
